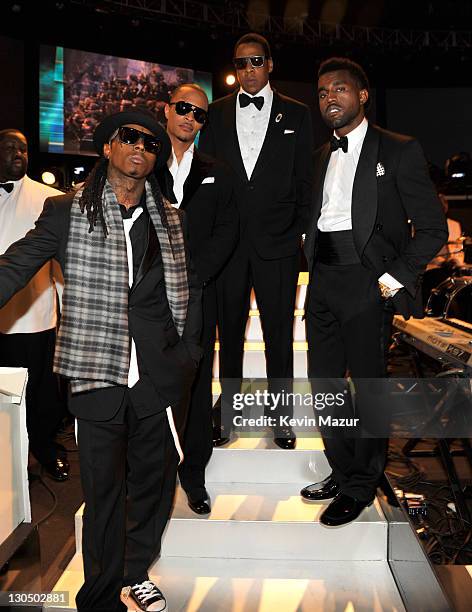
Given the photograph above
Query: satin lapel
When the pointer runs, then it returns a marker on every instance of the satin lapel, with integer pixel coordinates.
(364, 191)
(273, 141)
(152, 249)
(198, 171)
(230, 137)
(321, 166)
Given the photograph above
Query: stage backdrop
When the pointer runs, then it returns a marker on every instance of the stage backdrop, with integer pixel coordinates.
(12, 113)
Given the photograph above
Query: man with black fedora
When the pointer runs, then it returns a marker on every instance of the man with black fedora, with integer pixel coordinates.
(128, 345)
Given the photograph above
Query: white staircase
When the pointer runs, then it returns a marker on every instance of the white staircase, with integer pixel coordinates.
(262, 549)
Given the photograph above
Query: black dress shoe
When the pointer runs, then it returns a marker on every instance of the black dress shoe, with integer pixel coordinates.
(57, 469)
(342, 510)
(221, 436)
(326, 489)
(284, 437)
(200, 504)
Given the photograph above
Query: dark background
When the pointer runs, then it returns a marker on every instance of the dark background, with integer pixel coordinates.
(418, 89)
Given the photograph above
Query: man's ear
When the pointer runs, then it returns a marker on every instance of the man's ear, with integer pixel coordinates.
(106, 150)
(166, 111)
(363, 96)
(270, 65)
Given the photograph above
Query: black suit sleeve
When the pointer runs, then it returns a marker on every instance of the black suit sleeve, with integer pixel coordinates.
(26, 256)
(425, 211)
(193, 323)
(211, 258)
(304, 172)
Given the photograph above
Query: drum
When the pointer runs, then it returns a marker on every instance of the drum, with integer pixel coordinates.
(452, 299)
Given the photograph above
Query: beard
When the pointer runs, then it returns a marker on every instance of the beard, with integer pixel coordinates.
(16, 172)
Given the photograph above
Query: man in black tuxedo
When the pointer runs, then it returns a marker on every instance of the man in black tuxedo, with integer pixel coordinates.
(266, 138)
(364, 264)
(203, 187)
(128, 345)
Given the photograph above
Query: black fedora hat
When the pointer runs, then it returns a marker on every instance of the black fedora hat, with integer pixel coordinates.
(144, 118)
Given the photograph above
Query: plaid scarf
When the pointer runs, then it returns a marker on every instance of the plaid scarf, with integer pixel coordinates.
(93, 343)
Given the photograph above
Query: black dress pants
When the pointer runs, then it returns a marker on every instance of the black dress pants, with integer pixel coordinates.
(348, 327)
(198, 438)
(275, 285)
(44, 407)
(128, 473)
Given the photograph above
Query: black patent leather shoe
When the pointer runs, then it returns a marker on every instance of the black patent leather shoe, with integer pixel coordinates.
(221, 436)
(342, 510)
(326, 489)
(57, 469)
(284, 437)
(200, 504)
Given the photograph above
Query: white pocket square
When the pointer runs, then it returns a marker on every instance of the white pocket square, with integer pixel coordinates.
(289, 131)
(380, 171)
(208, 179)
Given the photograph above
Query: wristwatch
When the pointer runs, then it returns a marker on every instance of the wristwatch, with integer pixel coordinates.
(386, 291)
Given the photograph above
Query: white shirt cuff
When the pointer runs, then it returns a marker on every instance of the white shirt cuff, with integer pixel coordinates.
(391, 282)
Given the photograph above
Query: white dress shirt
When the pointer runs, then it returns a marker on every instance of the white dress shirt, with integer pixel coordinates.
(180, 172)
(133, 374)
(337, 190)
(33, 309)
(251, 127)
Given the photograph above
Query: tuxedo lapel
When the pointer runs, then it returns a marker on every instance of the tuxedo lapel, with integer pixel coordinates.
(230, 135)
(198, 171)
(152, 249)
(364, 191)
(273, 141)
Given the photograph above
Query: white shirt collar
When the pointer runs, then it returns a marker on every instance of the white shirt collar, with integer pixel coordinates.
(16, 187)
(173, 160)
(357, 135)
(266, 92)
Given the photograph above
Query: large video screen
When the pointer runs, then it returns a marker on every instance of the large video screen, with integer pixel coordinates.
(78, 88)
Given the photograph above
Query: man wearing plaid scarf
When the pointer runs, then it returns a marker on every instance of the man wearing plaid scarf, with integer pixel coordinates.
(128, 344)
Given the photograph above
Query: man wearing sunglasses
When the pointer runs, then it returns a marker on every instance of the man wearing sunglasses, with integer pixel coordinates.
(267, 140)
(203, 187)
(128, 346)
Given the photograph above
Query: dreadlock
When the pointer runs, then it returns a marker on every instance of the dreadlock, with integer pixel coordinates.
(91, 198)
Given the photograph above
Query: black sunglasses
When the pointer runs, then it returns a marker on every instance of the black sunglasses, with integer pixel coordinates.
(184, 108)
(257, 61)
(131, 136)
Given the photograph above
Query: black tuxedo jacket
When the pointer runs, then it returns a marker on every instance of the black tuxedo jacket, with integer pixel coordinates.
(391, 187)
(212, 218)
(274, 205)
(167, 363)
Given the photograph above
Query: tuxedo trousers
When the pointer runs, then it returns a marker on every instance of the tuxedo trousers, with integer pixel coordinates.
(128, 472)
(275, 285)
(198, 437)
(44, 406)
(348, 326)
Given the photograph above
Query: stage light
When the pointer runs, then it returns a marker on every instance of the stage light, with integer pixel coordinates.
(48, 177)
(230, 79)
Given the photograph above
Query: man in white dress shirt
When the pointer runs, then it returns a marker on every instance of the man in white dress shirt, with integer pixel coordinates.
(266, 138)
(203, 188)
(364, 265)
(28, 321)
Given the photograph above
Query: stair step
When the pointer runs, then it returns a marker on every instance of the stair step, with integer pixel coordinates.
(266, 521)
(247, 585)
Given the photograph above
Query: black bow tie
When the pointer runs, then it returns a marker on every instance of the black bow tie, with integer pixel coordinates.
(245, 100)
(338, 143)
(7, 186)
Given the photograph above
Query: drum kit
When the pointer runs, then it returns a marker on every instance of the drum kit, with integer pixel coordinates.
(450, 285)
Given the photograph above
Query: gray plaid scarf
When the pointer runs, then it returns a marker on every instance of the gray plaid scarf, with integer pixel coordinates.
(93, 343)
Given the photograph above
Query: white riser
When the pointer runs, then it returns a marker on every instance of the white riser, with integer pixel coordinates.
(299, 299)
(254, 364)
(261, 521)
(235, 585)
(264, 465)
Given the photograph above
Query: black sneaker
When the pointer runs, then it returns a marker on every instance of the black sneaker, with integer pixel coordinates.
(144, 596)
